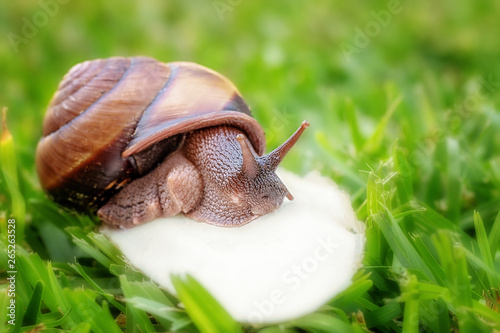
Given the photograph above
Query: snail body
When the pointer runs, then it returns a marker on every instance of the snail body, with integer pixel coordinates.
(135, 139)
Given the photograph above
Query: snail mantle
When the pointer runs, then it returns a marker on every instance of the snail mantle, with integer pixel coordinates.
(279, 267)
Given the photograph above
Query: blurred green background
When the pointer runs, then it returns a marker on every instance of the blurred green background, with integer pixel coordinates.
(288, 59)
(295, 60)
(406, 90)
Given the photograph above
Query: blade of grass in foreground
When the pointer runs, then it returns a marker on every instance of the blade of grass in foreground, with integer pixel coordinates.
(356, 290)
(147, 296)
(9, 171)
(4, 302)
(403, 249)
(34, 305)
(320, 322)
(384, 316)
(453, 259)
(105, 253)
(207, 314)
(79, 269)
(484, 249)
(86, 309)
(411, 310)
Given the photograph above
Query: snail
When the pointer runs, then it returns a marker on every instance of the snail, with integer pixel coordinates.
(134, 139)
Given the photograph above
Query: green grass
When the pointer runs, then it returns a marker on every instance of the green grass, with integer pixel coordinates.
(408, 125)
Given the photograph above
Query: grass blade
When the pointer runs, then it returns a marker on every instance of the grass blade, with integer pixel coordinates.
(494, 236)
(79, 269)
(372, 144)
(320, 322)
(484, 248)
(401, 246)
(411, 295)
(4, 303)
(383, 315)
(207, 314)
(9, 171)
(374, 194)
(146, 296)
(86, 309)
(33, 308)
(352, 120)
(357, 289)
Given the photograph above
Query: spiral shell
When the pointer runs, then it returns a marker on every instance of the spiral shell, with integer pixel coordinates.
(113, 120)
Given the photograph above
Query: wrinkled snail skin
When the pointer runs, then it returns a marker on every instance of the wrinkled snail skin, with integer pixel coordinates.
(135, 139)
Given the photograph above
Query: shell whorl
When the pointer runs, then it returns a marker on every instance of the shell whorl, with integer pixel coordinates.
(107, 110)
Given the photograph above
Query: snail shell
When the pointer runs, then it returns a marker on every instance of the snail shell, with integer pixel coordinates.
(113, 120)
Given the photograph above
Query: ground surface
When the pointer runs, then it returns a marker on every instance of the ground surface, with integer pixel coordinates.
(402, 97)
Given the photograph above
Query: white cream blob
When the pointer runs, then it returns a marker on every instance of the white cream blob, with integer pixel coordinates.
(279, 267)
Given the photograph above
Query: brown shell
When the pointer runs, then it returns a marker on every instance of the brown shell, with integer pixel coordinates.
(108, 112)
